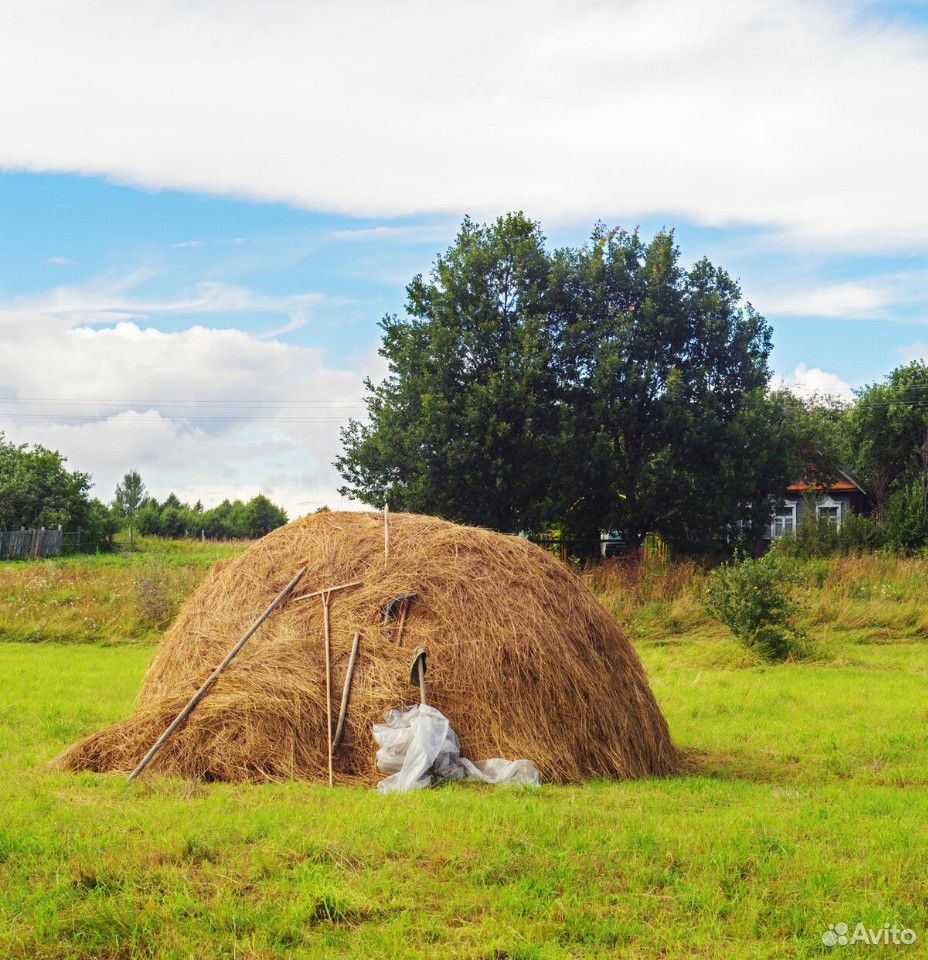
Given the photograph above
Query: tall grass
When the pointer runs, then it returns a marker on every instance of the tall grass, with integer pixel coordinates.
(130, 597)
(867, 597)
(108, 598)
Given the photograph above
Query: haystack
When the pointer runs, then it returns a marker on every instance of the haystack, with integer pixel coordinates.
(522, 659)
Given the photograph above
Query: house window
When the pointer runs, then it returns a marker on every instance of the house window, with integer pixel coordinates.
(830, 510)
(784, 523)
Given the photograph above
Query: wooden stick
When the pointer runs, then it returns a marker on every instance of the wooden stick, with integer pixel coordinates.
(403, 612)
(227, 659)
(328, 682)
(386, 533)
(346, 692)
(319, 593)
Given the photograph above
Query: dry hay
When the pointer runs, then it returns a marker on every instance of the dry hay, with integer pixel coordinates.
(522, 659)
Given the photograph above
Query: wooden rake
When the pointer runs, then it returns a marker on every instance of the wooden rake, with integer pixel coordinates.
(326, 595)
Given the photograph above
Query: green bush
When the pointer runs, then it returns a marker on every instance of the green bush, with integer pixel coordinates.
(907, 518)
(755, 599)
(821, 537)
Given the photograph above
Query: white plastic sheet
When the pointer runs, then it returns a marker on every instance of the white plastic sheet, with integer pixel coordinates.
(418, 748)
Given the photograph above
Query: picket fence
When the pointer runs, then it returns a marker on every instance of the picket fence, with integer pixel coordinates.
(16, 544)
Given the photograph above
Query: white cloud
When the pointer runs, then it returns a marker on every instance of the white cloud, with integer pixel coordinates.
(111, 299)
(206, 412)
(872, 297)
(421, 233)
(810, 382)
(849, 300)
(914, 351)
(61, 261)
(187, 243)
(799, 115)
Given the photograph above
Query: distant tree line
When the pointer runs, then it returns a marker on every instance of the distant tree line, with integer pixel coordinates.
(610, 387)
(38, 490)
(230, 520)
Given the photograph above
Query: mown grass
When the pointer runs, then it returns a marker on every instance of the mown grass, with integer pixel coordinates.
(126, 597)
(806, 805)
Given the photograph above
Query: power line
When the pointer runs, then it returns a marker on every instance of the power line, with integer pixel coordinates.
(163, 419)
(180, 403)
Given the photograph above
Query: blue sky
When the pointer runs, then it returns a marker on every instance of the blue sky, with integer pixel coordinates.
(73, 231)
(199, 231)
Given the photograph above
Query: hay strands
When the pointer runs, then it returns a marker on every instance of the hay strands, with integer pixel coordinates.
(346, 692)
(211, 679)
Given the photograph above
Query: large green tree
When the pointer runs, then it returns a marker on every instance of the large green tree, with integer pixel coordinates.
(129, 497)
(465, 425)
(668, 423)
(37, 489)
(887, 432)
(600, 386)
(261, 517)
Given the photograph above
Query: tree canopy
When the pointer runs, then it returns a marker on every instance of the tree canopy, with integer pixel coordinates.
(130, 495)
(228, 520)
(38, 490)
(887, 433)
(600, 386)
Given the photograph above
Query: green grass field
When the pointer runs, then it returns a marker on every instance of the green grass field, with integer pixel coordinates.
(109, 598)
(806, 806)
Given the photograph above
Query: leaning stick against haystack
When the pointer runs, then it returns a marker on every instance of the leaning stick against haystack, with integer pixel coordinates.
(211, 679)
(326, 600)
(346, 692)
(326, 594)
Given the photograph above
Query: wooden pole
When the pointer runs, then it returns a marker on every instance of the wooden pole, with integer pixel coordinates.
(328, 682)
(226, 660)
(319, 593)
(403, 611)
(386, 533)
(346, 692)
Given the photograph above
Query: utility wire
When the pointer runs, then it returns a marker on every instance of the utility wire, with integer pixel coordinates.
(182, 403)
(163, 419)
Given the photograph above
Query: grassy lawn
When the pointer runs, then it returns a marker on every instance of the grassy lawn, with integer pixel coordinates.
(806, 807)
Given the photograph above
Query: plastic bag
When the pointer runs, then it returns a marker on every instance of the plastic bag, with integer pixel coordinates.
(418, 748)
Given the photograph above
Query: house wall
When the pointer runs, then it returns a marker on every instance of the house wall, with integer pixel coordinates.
(804, 508)
(850, 501)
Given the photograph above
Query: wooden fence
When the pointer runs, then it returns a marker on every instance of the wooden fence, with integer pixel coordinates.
(16, 544)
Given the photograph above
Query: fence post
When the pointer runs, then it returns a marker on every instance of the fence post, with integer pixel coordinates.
(77, 549)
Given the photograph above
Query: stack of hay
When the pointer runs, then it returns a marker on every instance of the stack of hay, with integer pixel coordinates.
(523, 660)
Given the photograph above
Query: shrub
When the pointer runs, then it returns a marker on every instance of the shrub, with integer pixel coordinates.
(907, 518)
(821, 537)
(755, 599)
(152, 601)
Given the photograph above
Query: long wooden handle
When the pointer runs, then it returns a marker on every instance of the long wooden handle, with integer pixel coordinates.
(328, 684)
(346, 692)
(226, 660)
